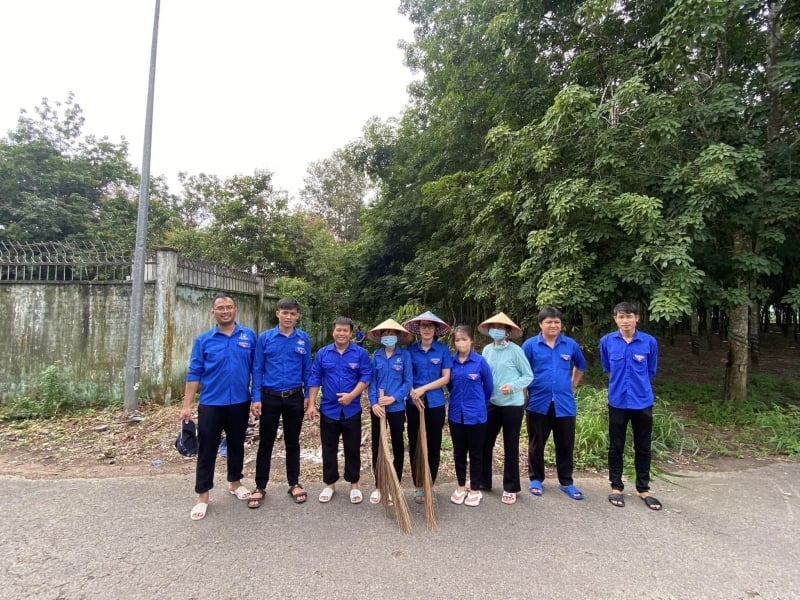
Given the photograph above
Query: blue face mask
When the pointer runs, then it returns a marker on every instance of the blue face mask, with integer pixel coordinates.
(390, 341)
(497, 334)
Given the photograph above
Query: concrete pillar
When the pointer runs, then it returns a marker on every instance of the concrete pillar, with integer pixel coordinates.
(164, 323)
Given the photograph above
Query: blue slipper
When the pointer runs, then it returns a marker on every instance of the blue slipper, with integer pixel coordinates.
(571, 491)
(535, 487)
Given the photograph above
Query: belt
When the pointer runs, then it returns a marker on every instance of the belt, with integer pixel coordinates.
(284, 394)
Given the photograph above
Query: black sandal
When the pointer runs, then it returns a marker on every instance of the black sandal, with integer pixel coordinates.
(299, 497)
(616, 499)
(255, 501)
(651, 502)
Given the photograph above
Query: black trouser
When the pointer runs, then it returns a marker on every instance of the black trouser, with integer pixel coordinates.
(211, 422)
(468, 440)
(509, 420)
(642, 425)
(539, 428)
(395, 422)
(330, 430)
(434, 423)
(273, 409)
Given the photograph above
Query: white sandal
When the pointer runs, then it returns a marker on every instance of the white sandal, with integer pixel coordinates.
(458, 497)
(375, 497)
(473, 498)
(241, 492)
(198, 511)
(326, 494)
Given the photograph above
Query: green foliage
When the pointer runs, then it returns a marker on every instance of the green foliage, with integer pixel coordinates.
(48, 400)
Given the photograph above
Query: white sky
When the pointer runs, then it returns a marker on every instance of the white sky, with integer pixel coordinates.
(240, 84)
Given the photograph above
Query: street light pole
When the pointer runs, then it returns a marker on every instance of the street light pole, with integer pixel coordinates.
(132, 365)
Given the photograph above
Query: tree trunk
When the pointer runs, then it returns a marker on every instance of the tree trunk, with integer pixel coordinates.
(755, 333)
(736, 368)
(694, 332)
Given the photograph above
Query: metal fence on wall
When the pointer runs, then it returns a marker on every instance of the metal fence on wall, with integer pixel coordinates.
(57, 262)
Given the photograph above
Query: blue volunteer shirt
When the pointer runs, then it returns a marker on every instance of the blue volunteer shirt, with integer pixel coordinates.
(337, 373)
(470, 388)
(427, 366)
(552, 374)
(392, 375)
(222, 364)
(631, 366)
(282, 362)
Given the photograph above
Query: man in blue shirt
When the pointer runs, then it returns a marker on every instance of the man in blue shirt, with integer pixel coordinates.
(220, 366)
(630, 359)
(558, 366)
(343, 370)
(281, 369)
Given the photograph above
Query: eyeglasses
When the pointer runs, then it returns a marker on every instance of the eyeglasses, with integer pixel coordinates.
(224, 308)
(427, 326)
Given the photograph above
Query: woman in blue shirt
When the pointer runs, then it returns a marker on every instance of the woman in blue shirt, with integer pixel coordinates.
(512, 374)
(391, 383)
(470, 388)
(431, 363)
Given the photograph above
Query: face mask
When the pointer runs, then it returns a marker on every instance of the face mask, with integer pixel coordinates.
(390, 341)
(497, 334)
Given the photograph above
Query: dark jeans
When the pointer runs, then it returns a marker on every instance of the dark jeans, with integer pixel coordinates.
(434, 423)
(395, 422)
(211, 422)
(509, 420)
(539, 428)
(468, 440)
(642, 425)
(273, 409)
(330, 430)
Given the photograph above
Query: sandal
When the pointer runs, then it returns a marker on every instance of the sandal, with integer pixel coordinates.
(355, 496)
(375, 497)
(473, 498)
(419, 496)
(571, 491)
(617, 499)
(535, 488)
(301, 495)
(509, 498)
(326, 494)
(241, 492)
(256, 496)
(651, 502)
(458, 497)
(198, 511)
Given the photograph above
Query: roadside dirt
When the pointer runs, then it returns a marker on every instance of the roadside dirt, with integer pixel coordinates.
(110, 443)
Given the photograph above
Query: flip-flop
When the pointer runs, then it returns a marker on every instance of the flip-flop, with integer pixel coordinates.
(419, 496)
(651, 502)
(571, 491)
(198, 511)
(301, 495)
(616, 499)
(535, 488)
(355, 496)
(326, 494)
(473, 498)
(509, 498)
(458, 497)
(241, 492)
(375, 497)
(255, 501)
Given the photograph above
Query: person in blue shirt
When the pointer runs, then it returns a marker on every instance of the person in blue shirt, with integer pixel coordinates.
(391, 383)
(360, 336)
(343, 371)
(431, 362)
(558, 366)
(630, 359)
(511, 373)
(281, 369)
(220, 367)
(470, 389)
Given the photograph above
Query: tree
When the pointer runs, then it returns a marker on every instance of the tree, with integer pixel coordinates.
(336, 192)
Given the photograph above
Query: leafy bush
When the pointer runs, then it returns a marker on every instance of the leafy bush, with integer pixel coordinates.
(48, 399)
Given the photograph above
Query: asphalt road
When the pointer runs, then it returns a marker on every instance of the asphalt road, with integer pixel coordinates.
(721, 535)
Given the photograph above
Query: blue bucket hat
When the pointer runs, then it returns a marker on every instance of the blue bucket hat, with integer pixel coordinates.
(186, 442)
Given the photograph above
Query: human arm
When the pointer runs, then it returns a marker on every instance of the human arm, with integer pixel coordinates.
(524, 374)
(189, 393)
(417, 393)
(311, 403)
(345, 398)
(577, 376)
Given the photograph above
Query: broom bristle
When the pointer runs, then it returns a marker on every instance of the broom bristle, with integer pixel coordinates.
(423, 472)
(394, 503)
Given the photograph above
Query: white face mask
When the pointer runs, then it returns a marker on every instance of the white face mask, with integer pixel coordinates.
(497, 334)
(390, 341)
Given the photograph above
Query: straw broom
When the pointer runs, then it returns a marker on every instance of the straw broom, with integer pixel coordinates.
(389, 483)
(423, 472)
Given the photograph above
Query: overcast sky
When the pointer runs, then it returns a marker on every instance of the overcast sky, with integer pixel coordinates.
(240, 85)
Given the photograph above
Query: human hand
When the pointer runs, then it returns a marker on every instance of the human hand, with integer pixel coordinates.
(344, 398)
(378, 410)
(506, 389)
(255, 409)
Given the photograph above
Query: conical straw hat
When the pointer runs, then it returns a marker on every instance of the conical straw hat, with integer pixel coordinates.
(403, 336)
(501, 318)
(413, 324)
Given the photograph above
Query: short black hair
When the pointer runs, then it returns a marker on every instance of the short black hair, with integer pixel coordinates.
(288, 303)
(550, 312)
(626, 307)
(343, 321)
(465, 329)
(222, 295)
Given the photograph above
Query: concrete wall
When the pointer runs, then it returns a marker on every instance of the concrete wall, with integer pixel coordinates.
(82, 327)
